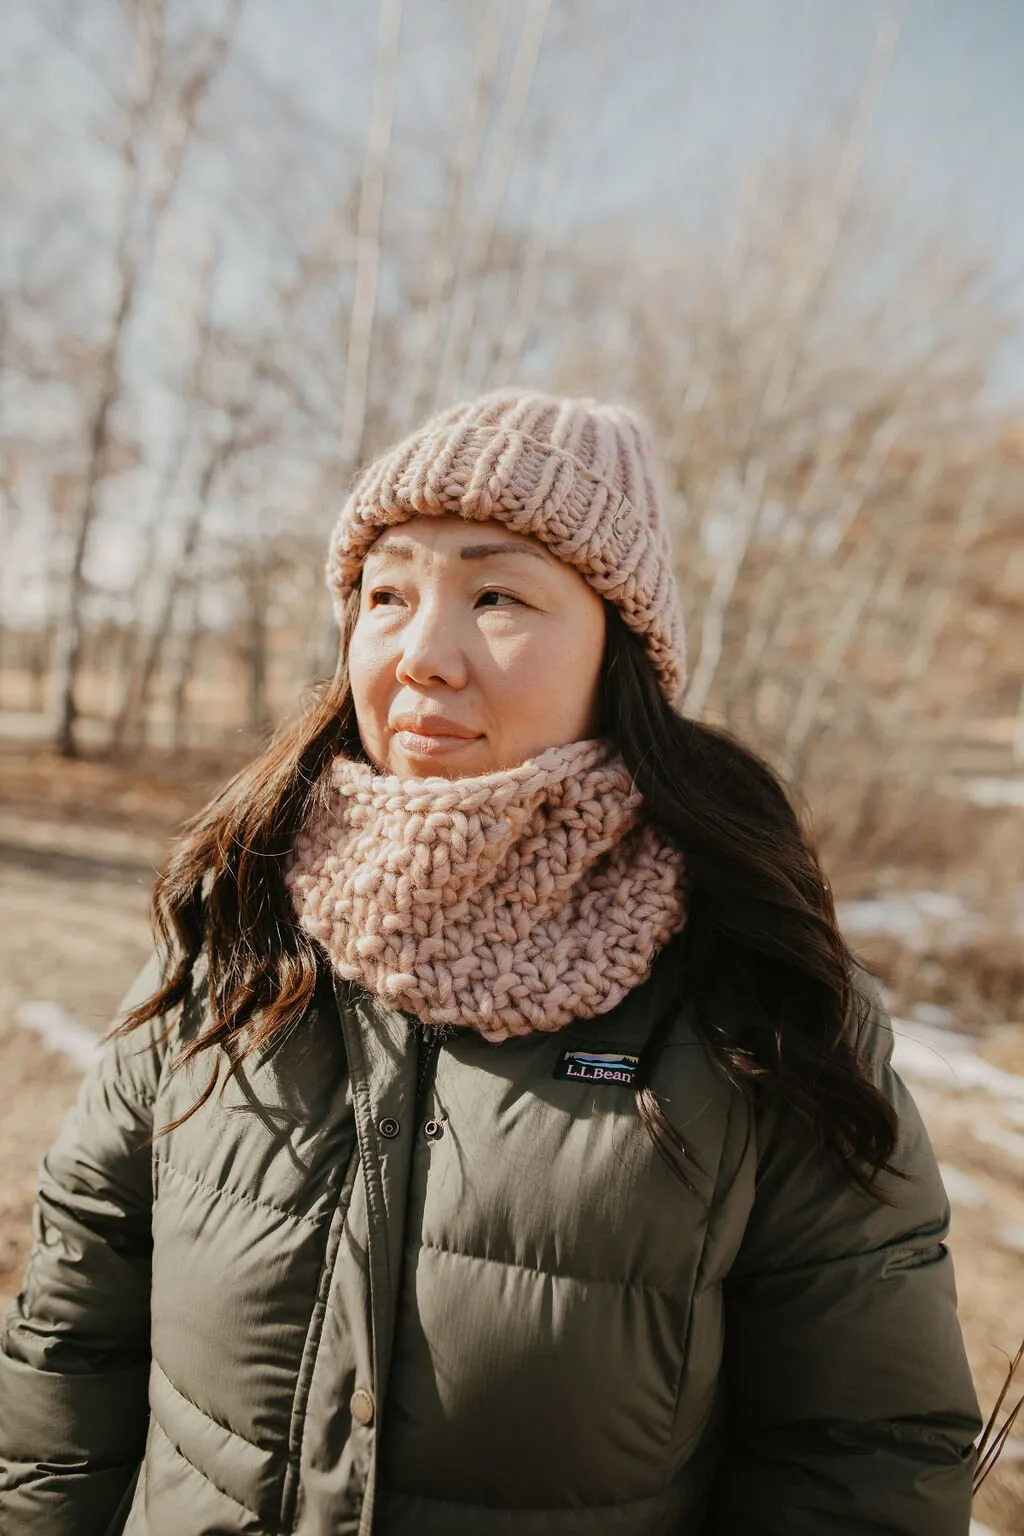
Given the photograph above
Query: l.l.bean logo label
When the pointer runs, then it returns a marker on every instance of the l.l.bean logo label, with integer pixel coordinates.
(616, 1069)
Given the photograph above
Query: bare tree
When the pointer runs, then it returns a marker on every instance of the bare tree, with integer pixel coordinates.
(183, 576)
(140, 650)
(808, 285)
(139, 221)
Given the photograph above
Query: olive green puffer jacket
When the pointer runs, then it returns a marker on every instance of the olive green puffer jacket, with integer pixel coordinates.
(456, 1292)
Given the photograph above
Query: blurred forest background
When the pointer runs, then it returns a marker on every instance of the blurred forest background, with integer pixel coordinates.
(217, 299)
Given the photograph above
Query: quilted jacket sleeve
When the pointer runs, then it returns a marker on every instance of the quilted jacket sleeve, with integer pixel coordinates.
(852, 1405)
(74, 1352)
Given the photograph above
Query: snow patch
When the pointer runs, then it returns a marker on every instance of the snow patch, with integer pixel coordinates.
(60, 1031)
(950, 1060)
(918, 919)
(961, 1188)
(933, 1013)
(1006, 1141)
(993, 793)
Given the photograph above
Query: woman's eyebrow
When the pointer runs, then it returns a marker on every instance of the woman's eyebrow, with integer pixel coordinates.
(398, 550)
(481, 551)
(403, 551)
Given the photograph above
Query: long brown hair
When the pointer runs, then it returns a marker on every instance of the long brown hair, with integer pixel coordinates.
(760, 937)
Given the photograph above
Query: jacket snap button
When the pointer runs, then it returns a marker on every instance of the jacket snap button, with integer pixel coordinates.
(388, 1127)
(433, 1130)
(360, 1406)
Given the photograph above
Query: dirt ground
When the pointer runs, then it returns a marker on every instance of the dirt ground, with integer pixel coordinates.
(78, 847)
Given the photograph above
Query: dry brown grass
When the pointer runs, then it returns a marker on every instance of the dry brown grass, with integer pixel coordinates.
(906, 836)
(153, 791)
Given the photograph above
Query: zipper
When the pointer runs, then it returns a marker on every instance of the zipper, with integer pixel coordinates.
(430, 1045)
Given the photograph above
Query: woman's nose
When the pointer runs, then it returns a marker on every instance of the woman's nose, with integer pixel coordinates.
(430, 651)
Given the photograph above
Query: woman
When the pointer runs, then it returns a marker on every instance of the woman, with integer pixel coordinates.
(507, 1143)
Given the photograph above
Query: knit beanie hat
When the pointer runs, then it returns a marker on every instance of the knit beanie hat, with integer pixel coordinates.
(575, 474)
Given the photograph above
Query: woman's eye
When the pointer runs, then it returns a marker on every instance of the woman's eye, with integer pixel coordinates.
(384, 597)
(507, 596)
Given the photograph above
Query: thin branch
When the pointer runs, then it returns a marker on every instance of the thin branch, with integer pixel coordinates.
(368, 238)
(939, 599)
(861, 577)
(135, 671)
(148, 65)
(492, 195)
(444, 266)
(218, 459)
(134, 248)
(808, 288)
(557, 160)
(178, 125)
(829, 536)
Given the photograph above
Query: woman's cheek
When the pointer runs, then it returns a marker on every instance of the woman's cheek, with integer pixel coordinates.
(370, 697)
(517, 657)
(372, 659)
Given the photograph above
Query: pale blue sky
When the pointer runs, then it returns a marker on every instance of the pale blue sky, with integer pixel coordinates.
(697, 94)
(694, 95)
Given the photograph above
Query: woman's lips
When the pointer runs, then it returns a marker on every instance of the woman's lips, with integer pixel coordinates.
(432, 744)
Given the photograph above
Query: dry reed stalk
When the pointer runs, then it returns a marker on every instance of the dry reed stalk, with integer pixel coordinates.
(992, 1441)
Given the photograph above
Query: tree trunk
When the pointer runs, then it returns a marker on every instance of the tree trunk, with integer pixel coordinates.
(135, 241)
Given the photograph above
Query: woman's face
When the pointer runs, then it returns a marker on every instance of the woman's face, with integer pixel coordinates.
(474, 649)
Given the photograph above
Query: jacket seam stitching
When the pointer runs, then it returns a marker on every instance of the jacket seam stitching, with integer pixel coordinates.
(378, 1263)
(530, 1510)
(310, 1354)
(698, 1272)
(210, 1417)
(177, 1451)
(551, 1274)
(712, 1212)
(233, 1194)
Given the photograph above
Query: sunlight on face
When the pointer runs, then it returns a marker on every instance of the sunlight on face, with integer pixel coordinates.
(474, 649)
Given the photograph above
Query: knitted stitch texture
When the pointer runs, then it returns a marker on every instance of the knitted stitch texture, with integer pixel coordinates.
(576, 474)
(508, 902)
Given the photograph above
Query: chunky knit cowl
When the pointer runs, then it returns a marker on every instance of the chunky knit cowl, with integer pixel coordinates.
(508, 902)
